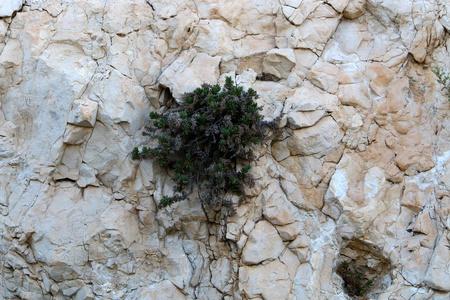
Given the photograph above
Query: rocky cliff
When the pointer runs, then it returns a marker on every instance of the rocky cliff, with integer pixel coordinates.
(359, 175)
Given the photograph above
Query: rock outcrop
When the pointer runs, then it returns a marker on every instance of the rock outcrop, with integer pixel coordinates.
(359, 173)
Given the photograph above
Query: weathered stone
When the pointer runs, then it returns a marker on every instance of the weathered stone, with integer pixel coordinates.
(354, 9)
(221, 274)
(304, 9)
(362, 152)
(263, 243)
(279, 211)
(300, 119)
(189, 71)
(85, 293)
(317, 28)
(12, 54)
(279, 63)
(270, 281)
(83, 113)
(325, 76)
(321, 138)
(394, 174)
(214, 37)
(289, 232)
(8, 7)
(138, 16)
(160, 291)
(354, 95)
(76, 135)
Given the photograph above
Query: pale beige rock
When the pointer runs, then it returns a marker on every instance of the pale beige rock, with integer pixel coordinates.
(8, 138)
(279, 211)
(138, 15)
(301, 119)
(438, 275)
(414, 260)
(214, 38)
(316, 29)
(394, 174)
(413, 197)
(70, 164)
(292, 3)
(301, 281)
(8, 7)
(397, 95)
(354, 9)
(222, 272)
(315, 139)
(361, 202)
(355, 95)
(271, 96)
(160, 290)
(83, 113)
(246, 78)
(263, 243)
(270, 281)
(122, 101)
(304, 9)
(289, 232)
(280, 150)
(87, 176)
(310, 98)
(12, 54)
(339, 5)
(279, 62)
(79, 219)
(324, 75)
(380, 76)
(75, 135)
(189, 72)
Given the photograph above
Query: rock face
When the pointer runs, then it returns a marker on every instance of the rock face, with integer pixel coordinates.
(359, 173)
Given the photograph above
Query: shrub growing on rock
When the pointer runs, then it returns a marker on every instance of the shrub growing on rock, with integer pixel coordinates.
(443, 79)
(202, 139)
(355, 284)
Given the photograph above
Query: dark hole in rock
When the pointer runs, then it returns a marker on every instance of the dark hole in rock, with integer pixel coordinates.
(267, 77)
(166, 98)
(365, 272)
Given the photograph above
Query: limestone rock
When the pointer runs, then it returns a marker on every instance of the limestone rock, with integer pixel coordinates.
(324, 76)
(438, 275)
(222, 273)
(122, 101)
(317, 28)
(354, 95)
(358, 170)
(160, 290)
(301, 119)
(270, 281)
(323, 137)
(214, 37)
(83, 113)
(8, 7)
(139, 15)
(279, 211)
(354, 9)
(12, 54)
(279, 63)
(189, 71)
(263, 243)
(75, 135)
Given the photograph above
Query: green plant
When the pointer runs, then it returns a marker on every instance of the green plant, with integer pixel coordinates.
(443, 79)
(202, 139)
(355, 283)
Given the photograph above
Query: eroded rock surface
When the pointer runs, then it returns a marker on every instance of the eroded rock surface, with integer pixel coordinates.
(359, 172)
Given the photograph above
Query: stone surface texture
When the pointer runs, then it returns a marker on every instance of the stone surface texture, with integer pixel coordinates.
(363, 156)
